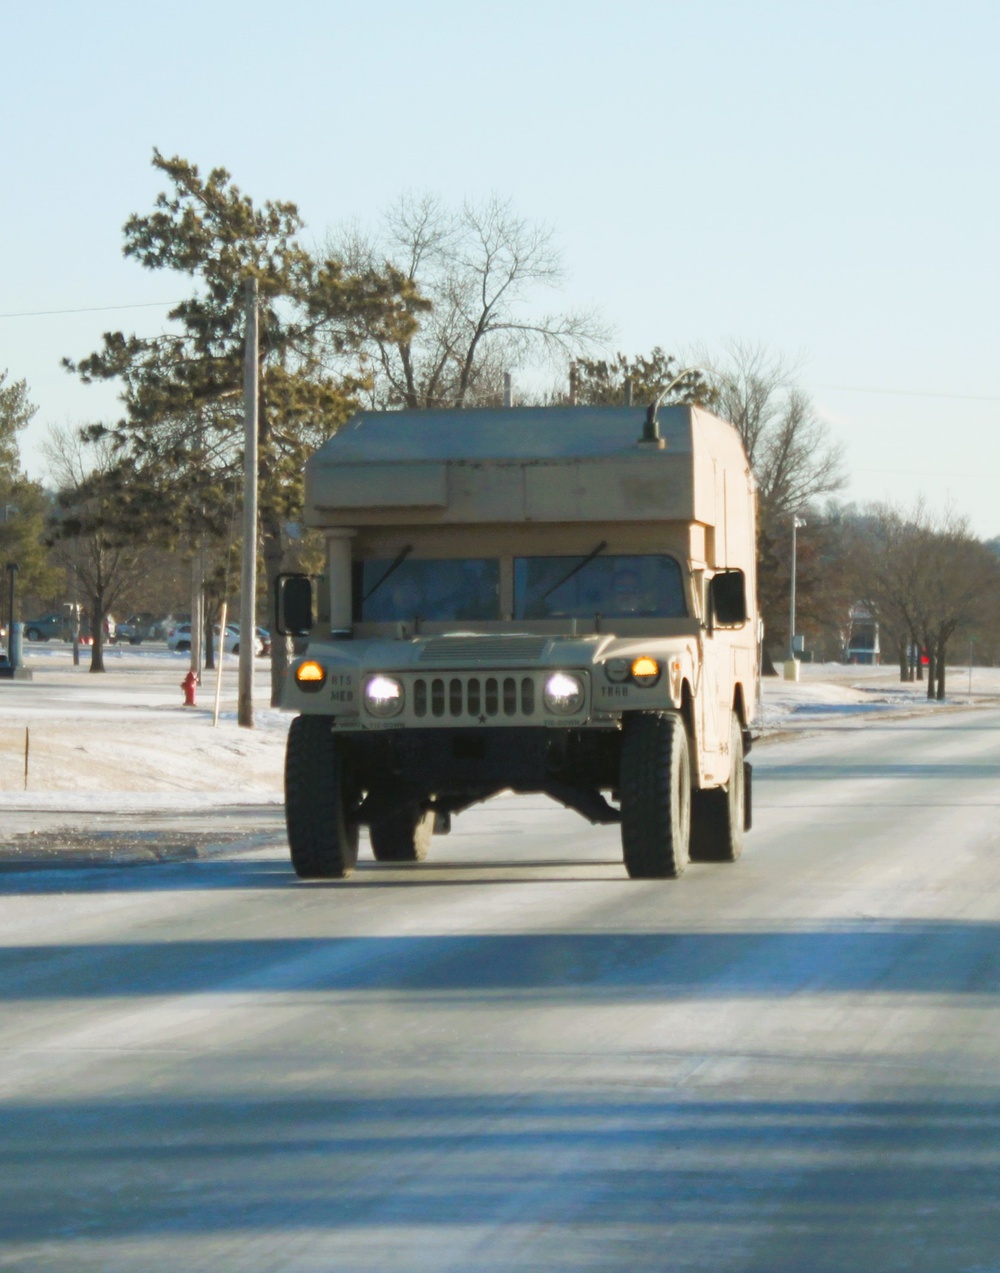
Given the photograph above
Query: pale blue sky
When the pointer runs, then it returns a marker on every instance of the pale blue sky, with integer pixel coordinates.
(821, 178)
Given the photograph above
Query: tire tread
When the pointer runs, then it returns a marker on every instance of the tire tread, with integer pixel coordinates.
(322, 842)
(654, 748)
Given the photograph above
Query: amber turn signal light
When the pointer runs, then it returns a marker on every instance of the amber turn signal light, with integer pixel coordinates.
(310, 675)
(645, 671)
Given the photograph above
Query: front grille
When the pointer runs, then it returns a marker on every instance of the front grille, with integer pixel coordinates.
(474, 698)
(502, 648)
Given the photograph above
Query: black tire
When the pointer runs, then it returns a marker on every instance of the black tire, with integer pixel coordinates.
(32, 634)
(403, 836)
(718, 816)
(183, 647)
(655, 785)
(319, 801)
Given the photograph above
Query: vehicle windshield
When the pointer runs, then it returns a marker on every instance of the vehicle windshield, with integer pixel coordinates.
(614, 586)
(439, 591)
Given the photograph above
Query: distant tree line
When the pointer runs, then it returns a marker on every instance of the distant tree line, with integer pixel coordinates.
(428, 308)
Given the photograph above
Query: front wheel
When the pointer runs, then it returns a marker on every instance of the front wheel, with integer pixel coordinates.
(402, 837)
(718, 815)
(655, 785)
(32, 634)
(320, 801)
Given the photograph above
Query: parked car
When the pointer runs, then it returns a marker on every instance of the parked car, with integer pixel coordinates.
(172, 622)
(137, 628)
(55, 624)
(263, 638)
(179, 639)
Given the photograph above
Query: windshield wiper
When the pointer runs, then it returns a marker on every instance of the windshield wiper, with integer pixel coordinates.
(395, 564)
(576, 569)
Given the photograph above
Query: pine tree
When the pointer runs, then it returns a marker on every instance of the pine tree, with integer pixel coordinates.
(182, 389)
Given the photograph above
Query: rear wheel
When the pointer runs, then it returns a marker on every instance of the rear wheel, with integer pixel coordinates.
(319, 801)
(403, 836)
(718, 816)
(33, 634)
(655, 785)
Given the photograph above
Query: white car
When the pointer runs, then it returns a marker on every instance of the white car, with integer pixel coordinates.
(263, 637)
(179, 639)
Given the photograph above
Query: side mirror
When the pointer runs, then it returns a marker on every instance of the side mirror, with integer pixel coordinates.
(295, 605)
(727, 599)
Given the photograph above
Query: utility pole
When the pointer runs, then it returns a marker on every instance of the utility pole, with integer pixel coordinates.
(797, 523)
(248, 575)
(197, 617)
(74, 612)
(13, 638)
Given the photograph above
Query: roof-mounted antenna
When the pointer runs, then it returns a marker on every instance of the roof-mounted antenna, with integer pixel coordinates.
(651, 425)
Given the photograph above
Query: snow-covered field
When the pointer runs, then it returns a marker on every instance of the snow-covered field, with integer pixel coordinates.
(126, 734)
(830, 693)
(125, 737)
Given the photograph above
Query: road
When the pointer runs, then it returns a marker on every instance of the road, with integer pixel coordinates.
(511, 1057)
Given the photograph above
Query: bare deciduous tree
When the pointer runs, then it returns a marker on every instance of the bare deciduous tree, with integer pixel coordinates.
(788, 445)
(791, 453)
(97, 530)
(479, 269)
(930, 577)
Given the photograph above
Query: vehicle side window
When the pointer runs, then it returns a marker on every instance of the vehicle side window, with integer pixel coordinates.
(614, 586)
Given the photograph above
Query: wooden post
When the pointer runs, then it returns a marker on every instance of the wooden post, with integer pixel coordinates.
(248, 575)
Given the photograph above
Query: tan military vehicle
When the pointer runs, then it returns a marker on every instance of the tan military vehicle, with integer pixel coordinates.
(555, 600)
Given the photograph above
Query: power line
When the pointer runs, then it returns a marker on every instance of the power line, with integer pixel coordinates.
(985, 475)
(90, 309)
(908, 393)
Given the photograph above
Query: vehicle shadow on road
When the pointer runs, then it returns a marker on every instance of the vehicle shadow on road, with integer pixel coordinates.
(880, 957)
(195, 874)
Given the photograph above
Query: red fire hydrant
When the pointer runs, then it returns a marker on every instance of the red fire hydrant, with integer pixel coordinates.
(189, 685)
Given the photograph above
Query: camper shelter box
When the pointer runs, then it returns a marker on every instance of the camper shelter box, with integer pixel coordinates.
(556, 600)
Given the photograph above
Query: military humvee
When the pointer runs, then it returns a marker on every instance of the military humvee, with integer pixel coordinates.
(555, 600)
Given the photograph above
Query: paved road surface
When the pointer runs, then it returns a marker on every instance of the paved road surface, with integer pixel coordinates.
(511, 1057)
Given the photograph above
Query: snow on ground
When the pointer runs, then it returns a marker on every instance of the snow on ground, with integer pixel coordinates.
(125, 739)
(126, 734)
(828, 693)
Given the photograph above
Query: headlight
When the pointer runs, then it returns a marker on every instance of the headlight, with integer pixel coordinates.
(310, 675)
(645, 671)
(563, 693)
(384, 696)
